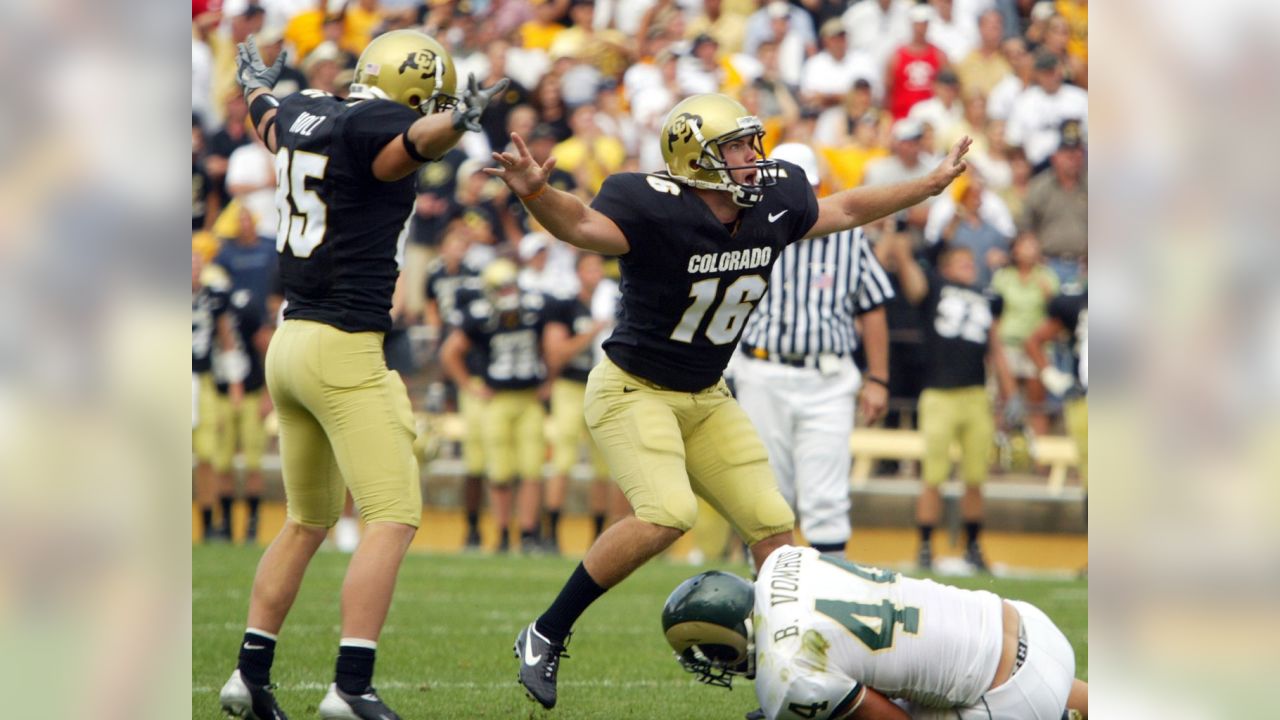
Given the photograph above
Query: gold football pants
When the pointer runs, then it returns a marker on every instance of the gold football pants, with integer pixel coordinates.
(343, 417)
(244, 428)
(960, 415)
(667, 448)
(513, 436)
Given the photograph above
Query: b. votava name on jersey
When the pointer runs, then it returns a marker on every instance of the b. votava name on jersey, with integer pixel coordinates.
(730, 260)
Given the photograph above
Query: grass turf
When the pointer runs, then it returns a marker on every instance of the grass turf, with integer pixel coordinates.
(446, 650)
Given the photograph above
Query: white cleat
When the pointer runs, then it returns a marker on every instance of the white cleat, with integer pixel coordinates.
(338, 705)
(242, 699)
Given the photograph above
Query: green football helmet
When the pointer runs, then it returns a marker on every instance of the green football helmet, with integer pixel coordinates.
(408, 67)
(707, 621)
(691, 138)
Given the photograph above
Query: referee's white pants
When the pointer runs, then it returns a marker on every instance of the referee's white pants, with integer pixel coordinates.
(804, 419)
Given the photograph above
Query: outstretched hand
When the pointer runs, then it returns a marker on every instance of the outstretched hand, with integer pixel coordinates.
(251, 72)
(953, 165)
(519, 171)
(466, 116)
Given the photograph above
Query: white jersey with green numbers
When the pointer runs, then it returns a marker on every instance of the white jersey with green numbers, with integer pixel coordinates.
(825, 627)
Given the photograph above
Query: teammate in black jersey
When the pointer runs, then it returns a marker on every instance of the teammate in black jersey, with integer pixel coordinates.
(1069, 313)
(209, 297)
(244, 411)
(505, 324)
(450, 283)
(962, 335)
(696, 244)
(344, 195)
(572, 336)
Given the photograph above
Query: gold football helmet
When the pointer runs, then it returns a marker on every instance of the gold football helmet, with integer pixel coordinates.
(410, 68)
(499, 278)
(691, 138)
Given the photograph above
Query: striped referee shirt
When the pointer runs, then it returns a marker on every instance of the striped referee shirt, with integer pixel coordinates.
(816, 289)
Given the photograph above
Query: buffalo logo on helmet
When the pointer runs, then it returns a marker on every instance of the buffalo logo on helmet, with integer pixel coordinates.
(682, 128)
(421, 60)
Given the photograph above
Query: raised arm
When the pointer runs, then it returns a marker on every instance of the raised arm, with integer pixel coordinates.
(915, 286)
(861, 205)
(257, 80)
(431, 136)
(562, 214)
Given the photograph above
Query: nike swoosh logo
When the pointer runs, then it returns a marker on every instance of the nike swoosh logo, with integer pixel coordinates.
(529, 658)
(247, 646)
(774, 218)
(628, 389)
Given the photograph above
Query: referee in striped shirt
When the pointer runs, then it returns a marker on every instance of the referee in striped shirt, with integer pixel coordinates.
(795, 375)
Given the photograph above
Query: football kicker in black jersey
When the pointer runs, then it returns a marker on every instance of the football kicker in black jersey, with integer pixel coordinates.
(688, 281)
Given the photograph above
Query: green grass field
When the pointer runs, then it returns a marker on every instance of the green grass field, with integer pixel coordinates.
(446, 651)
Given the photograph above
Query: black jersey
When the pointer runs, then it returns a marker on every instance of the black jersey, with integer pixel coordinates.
(957, 327)
(509, 343)
(688, 282)
(342, 231)
(439, 180)
(1071, 308)
(207, 305)
(246, 320)
(576, 317)
(442, 286)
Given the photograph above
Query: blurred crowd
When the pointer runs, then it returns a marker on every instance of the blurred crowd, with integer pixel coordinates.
(878, 88)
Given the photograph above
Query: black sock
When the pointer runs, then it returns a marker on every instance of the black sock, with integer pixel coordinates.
(354, 672)
(206, 521)
(528, 536)
(574, 598)
(971, 531)
(598, 521)
(505, 536)
(553, 523)
(926, 534)
(473, 522)
(829, 548)
(257, 652)
(225, 503)
(253, 501)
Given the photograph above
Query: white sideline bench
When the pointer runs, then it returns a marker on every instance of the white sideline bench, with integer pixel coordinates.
(870, 445)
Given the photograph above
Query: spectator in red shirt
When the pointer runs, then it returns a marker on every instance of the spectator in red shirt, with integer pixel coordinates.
(913, 67)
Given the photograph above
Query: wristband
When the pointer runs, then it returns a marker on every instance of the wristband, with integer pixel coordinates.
(878, 381)
(260, 106)
(412, 149)
(533, 195)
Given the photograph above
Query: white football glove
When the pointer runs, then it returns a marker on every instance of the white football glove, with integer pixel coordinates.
(1056, 381)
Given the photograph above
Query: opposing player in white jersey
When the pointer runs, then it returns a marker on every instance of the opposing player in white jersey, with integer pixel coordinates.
(838, 641)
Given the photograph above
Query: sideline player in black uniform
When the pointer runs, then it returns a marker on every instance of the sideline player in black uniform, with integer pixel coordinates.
(571, 341)
(245, 414)
(962, 335)
(1069, 312)
(344, 171)
(505, 325)
(450, 285)
(696, 246)
(209, 286)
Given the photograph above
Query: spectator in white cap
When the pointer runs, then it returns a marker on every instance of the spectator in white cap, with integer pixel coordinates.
(1041, 109)
(830, 74)
(909, 159)
(797, 380)
(547, 266)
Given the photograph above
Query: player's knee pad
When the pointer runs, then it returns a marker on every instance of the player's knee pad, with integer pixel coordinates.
(678, 510)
